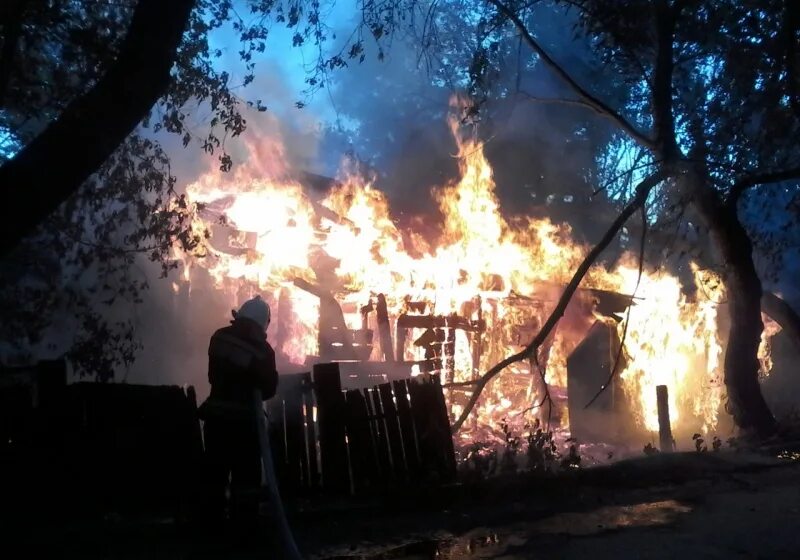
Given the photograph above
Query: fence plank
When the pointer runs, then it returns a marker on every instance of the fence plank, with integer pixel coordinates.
(393, 438)
(442, 419)
(311, 432)
(379, 427)
(331, 414)
(296, 451)
(363, 460)
(407, 431)
(384, 330)
(432, 427)
(132, 447)
(372, 429)
(277, 437)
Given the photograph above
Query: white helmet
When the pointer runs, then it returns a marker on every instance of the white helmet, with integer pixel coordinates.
(255, 309)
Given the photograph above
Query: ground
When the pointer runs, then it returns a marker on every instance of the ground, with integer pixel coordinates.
(727, 507)
(712, 505)
(699, 522)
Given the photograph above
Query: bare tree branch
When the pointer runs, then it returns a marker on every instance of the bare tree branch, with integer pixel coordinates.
(621, 349)
(564, 101)
(663, 119)
(756, 179)
(546, 398)
(642, 190)
(589, 99)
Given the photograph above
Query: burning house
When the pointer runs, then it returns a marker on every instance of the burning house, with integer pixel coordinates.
(452, 296)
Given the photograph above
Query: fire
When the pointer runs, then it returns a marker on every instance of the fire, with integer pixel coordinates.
(674, 342)
(771, 328)
(501, 276)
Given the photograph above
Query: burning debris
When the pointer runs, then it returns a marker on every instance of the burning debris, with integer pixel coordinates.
(455, 299)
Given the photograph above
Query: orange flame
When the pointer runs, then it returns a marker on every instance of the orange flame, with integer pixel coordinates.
(265, 232)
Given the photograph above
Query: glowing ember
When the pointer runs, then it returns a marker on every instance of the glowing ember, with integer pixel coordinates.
(266, 234)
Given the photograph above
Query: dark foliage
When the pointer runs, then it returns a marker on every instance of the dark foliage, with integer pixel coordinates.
(73, 285)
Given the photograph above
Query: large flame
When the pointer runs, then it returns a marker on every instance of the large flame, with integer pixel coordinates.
(266, 233)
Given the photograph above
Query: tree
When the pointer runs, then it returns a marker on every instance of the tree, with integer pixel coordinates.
(89, 129)
(703, 94)
(713, 104)
(87, 91)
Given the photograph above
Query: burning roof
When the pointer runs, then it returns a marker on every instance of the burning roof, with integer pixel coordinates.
(322, 251)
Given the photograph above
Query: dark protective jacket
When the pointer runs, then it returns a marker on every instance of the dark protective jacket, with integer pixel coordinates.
(239, 360)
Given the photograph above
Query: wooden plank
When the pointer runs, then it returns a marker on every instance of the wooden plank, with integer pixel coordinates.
(296, 450)
(449, 348)
(407, 432)
(277, 437)
(432, 427)
(442, 420)
(331, 421)
(145, 437)
(664, 427)
(393, 437)
(363, 460)
(400, 352)
(311, 432)
(420, 404)
(439, 322)
(333, 338)
(372, 429)
(588, 369)
(381, 440)
(384, 331)
(193, 425)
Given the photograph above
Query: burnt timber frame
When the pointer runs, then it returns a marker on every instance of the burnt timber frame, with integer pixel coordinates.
(440, 333)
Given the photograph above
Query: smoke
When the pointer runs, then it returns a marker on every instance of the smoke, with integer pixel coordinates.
(389, 114)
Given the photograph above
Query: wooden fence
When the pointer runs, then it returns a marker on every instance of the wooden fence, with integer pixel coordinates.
(102, 446)
(88, 448)
(388, 435)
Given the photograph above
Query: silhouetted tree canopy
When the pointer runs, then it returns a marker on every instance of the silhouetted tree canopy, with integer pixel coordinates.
(88, 90)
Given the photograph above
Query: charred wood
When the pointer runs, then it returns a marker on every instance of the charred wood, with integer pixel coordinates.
(334, 338)
(384, 330)
(439, 321)
(328, 214)
(331, 415)
(664, 427)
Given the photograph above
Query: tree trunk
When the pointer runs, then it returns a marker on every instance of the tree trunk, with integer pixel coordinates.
(58, 161)
(743, 287)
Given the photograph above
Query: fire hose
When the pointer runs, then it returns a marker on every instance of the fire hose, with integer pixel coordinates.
(274, 503)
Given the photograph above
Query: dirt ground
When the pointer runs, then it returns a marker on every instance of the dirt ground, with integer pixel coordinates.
(747, 507)
(759, 519)
(720, 505)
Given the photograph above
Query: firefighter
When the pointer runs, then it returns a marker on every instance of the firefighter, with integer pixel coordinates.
(240, 360)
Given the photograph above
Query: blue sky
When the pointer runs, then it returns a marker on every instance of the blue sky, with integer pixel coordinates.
(289, 61)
